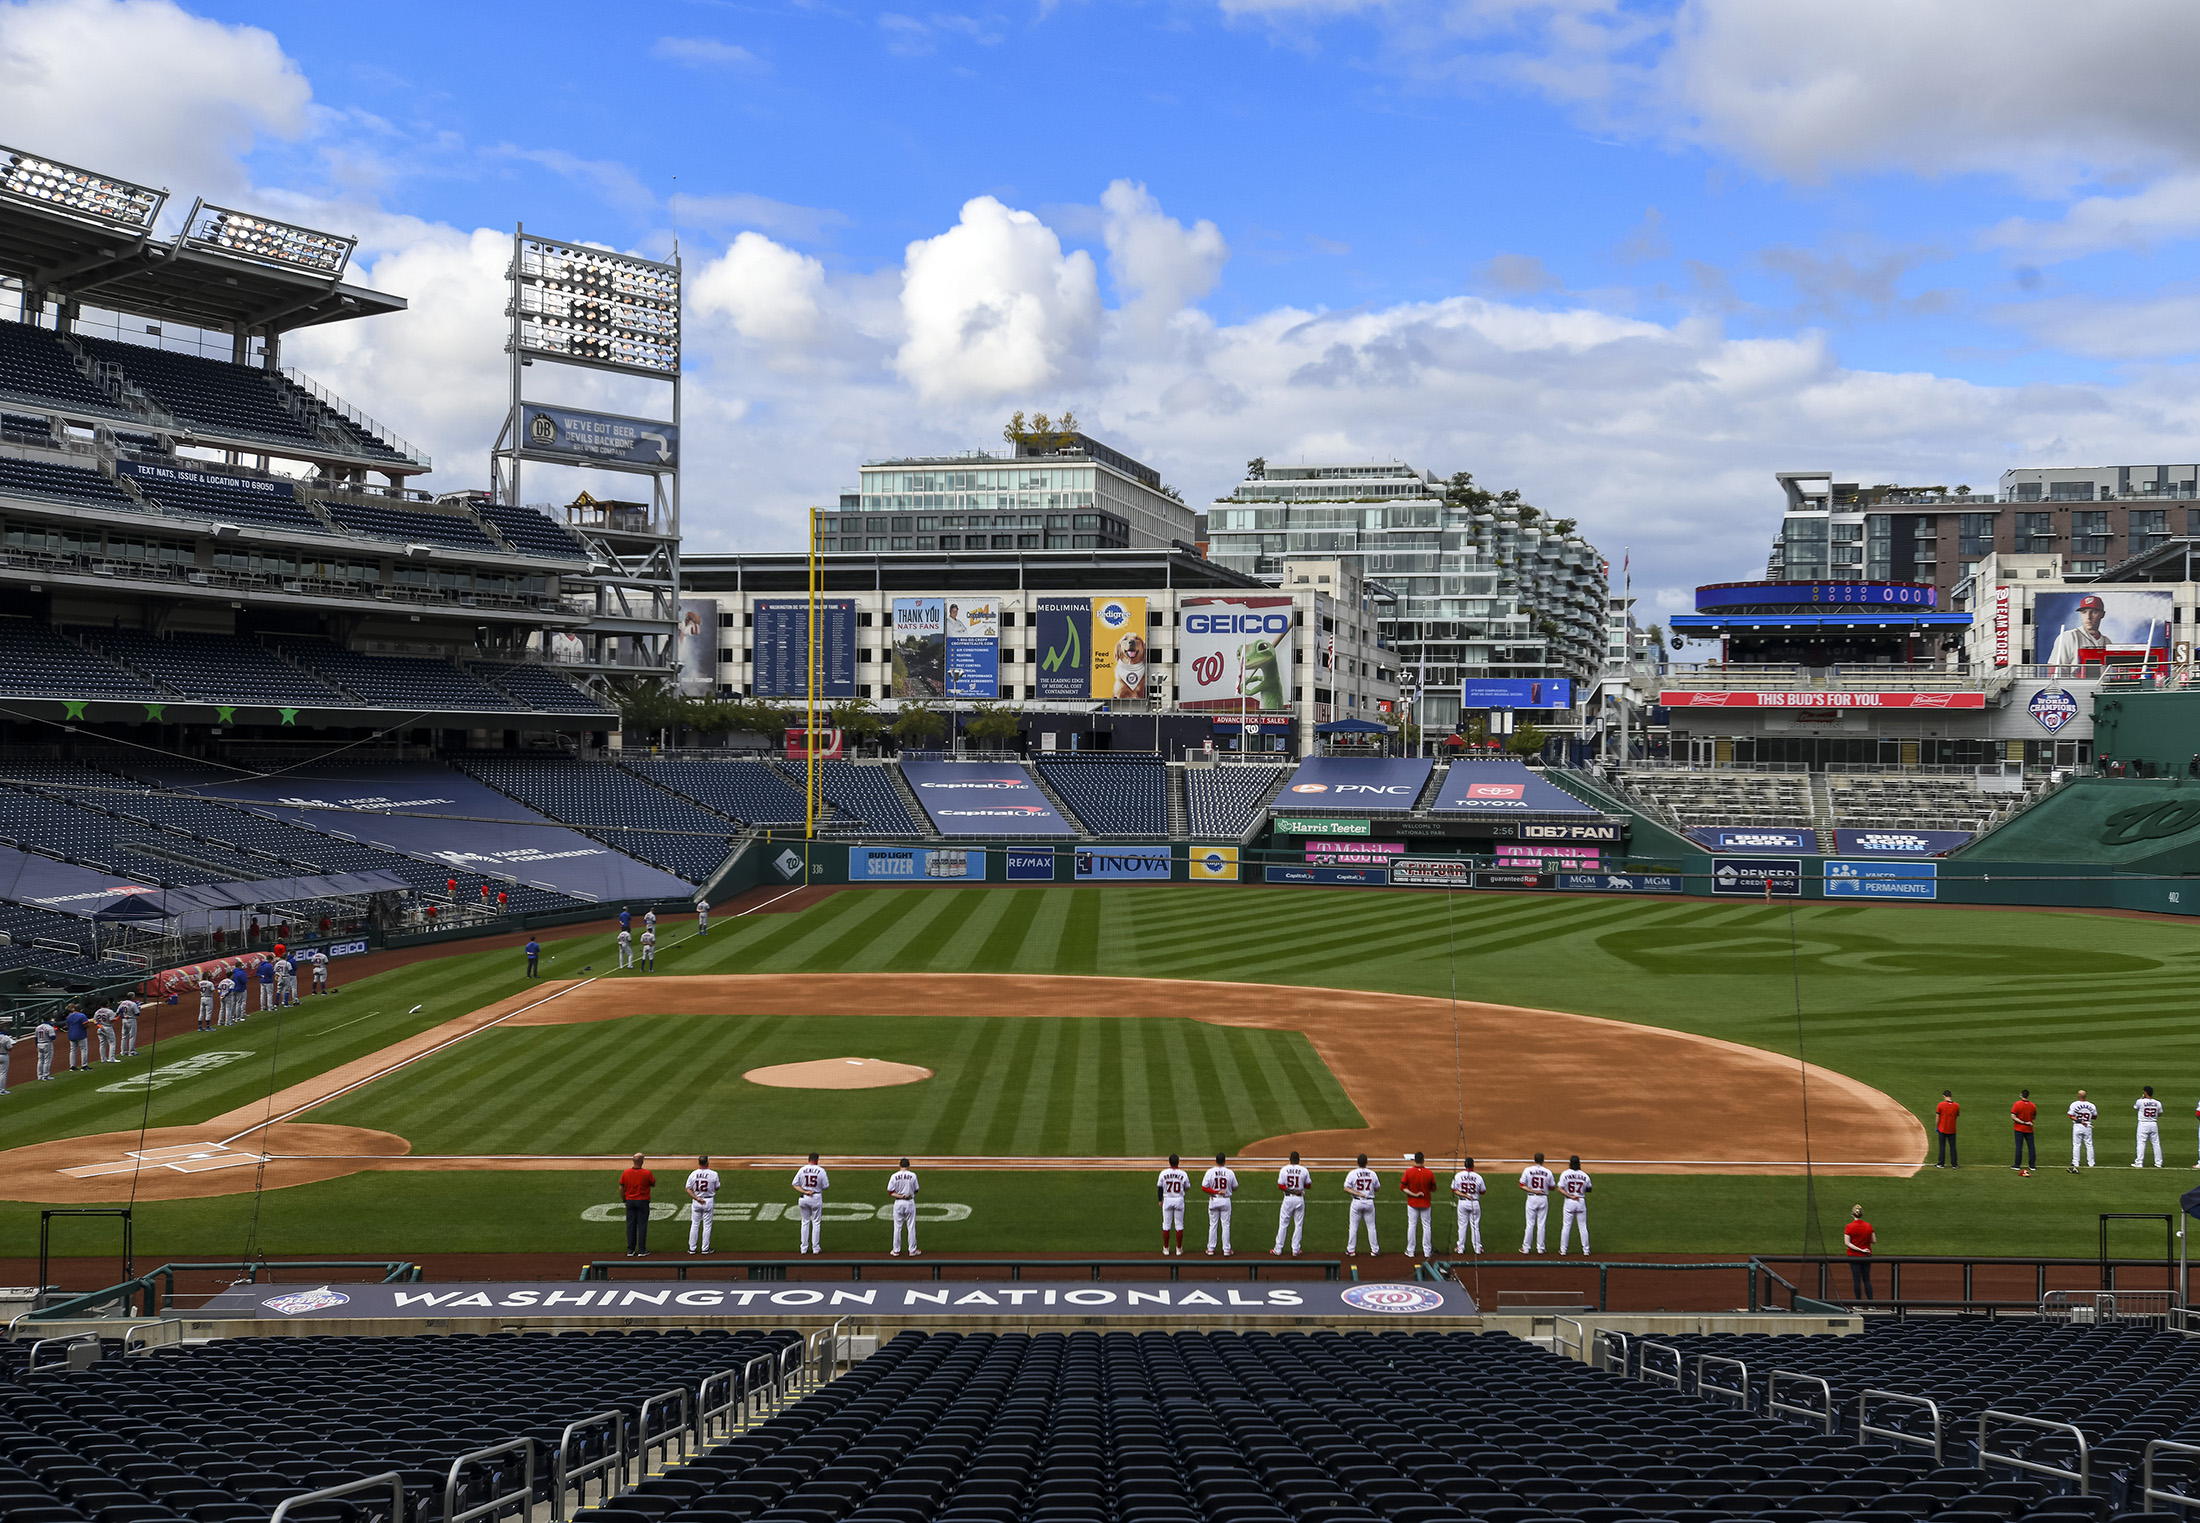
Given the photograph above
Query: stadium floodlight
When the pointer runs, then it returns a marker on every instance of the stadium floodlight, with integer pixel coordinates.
(55, 186)
(269, 241)
(595, 307)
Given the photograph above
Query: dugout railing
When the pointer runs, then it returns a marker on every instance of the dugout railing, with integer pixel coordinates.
(936, 1269)
(1981, 1284)
(154, 1292)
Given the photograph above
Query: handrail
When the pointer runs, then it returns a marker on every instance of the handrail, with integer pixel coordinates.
(66, 1340)
(646, 1442)
(1773, 1403)
(1644, 1372)
(2083, 1475)
(751, 1390)
(1864, 1429)
(389, 1478)
(1607, 1337)
(2148, 1492)
(1331, 1269)
(608, 1468)
(525, 1496)
(1703, 1389)
(158, 1297)
(707, 1417)
(1554, 1340)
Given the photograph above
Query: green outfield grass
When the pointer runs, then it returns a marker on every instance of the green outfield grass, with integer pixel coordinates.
(1045, 1087)
(1908, 998)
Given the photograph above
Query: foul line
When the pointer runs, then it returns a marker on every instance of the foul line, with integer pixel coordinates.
(394, 1067)
(768, 903)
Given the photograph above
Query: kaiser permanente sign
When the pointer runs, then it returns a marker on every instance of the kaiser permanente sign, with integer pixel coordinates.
(1819, 700)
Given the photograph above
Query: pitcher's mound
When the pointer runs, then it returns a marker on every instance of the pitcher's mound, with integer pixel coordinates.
(837, 1073)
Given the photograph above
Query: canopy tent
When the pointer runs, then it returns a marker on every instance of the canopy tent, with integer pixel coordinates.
(166, 903)
(1351, 727)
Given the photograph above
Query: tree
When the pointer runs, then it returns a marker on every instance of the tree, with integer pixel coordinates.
(1015, 430)
(1171, 492)
(1563, 526)
(1462, 494)
(918, 726)
(991, 722)
(1526, 739)
(1256, 469)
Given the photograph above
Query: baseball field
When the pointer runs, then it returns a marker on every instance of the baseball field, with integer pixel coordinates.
(1046, 1046)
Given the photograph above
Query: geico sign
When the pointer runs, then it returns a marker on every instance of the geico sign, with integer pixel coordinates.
(1277, 623)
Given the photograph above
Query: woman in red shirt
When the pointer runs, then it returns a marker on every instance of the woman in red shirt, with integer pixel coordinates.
(1859, 1235)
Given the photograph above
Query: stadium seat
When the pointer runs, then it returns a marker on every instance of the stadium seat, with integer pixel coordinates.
(41, 662)
(531, 532)
(1113, 794)
(34, 364)
(20, 477)
(418, 683)
(615, 806)
(1226, 800)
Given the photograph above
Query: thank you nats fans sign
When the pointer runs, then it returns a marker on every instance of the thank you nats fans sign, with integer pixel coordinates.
(983, 799)
(946, 1300)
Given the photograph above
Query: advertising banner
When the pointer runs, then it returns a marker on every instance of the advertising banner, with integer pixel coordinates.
(1620, 883)
(1537, 832)
(1898, 843)
(830, 744)
(698, 649)
(1753, 838)
(1881, 880)
(27, 878)
(1320, 851)
(1754, 877)
(1504, 878)
(1356, 783)
(781, 641)
(1516, 693)
(914, 864)
(1432, 872)
(1122, 863)
(2070, 629)
(1236, 723)
(570, 434)
(1287, 826)
(2002, 642)
(973, 648)
(1065, 649)
(1494, 787)
(1333, 877)
(254, 486)
(920, 648)
(983, 799)
(1723, 699)
(1803, 594)
(1212, 864)
(1029, 864)
(1234, 653)
(1120, 656)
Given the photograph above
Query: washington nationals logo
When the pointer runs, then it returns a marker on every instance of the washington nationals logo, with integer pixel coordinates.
(2150, 822)
(298, 1303)
(1395, 1299)
(1208, 669)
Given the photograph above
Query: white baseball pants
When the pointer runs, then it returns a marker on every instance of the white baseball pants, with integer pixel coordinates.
(107, 1046)
(1575, 1215)
(1421, 1217)
(1172, 1215)
(1218, 1220)
(811, 1213)
(1470, 1223)
(206, 1013)
(320, 979)
(905, 1220)
(1532, 1232)
(700, 1221)
(1361, 1211)
(2081, 1140)
(2149, 1131)
(45, 1060)
(626, 957)
(129, 1037)
(1291, 1221)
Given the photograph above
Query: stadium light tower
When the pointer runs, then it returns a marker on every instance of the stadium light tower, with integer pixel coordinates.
(573, 304)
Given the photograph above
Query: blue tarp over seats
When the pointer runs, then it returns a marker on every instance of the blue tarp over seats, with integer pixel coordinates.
(1354, 785)
(1502, 787)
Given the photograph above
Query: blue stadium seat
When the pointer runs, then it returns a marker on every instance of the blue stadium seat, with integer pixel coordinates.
(530, 532)
(411, 525)
(400, 682)
(60, 483)
(1225, 800)
(35, 365)
(538, 688)
(213, 668)
(740, 789)
(37, 661)
(615, 806)
(1114, 794)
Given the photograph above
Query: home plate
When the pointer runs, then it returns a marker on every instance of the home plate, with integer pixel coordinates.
(185, 1158)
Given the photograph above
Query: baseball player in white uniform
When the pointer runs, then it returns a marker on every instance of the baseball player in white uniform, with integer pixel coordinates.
(702, 1188)
(1574, 1187)
(206, 1004)
(2081, 1113)
(7, 1042)
(810, 1209)
(1170, 1189)
(702, 917)
(1220, 1183)
(286, 982)
(626, 948)
(1363, 1184)
(1469, 1187)
(103, 1021)
(649, 949)
(902, 1185)
(126, 1011)
(320, 972)
(44, 1034)
(2150, 1127)
(649, 920)
(1294, 1179)
(1536, 1182)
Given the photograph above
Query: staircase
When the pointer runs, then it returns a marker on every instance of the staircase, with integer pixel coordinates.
(925, 827)
(1821, 812)
(1267, 800)
(1433, 789)
(1180, 804)
(1070, 815)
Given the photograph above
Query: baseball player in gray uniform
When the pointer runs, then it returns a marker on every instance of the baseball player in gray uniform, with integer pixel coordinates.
(902, 1186)
(7, 1042)
(44, 1034)
(127, 1012)
(206, 1004)
(103, 1021)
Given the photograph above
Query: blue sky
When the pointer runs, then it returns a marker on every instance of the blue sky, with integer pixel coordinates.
(1632, 259)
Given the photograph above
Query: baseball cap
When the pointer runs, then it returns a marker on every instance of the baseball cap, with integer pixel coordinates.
(2092, 600)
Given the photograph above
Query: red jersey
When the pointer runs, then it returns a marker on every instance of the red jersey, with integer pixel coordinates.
(2023, 1112)
(1859, 1234)
(1947, 1111)
(1419, 1184)
(635, 1184)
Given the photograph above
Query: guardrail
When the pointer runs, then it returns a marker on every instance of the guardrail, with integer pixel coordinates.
(158, 1286)
(1556, 1340)
(2104, 1270)
(608, 1469)
(389, 1478)
(2149, 1493)
(648, 1440)
(1773, 1403)
(1738, 1394)
(2083, 1475)
(523, 1497)
(1644, 1372)
(776, 1269)
(1865, 1431)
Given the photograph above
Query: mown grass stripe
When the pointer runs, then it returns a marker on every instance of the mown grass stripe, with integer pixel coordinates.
(940, 1099)
(1009, 933)
(1084, 1087)
(1040, 1124)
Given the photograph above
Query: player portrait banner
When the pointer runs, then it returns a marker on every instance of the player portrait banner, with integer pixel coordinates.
(983, 799)
(1234, 654)
(1212, 864)
(1065, 649)
(1375, 1300)
(973, 648)
(781, 641)
(1120, 655)
(566, 433)
(698, 648)
(920, 648)
(1882, 880)
(915, 864)
(1122, 864)
(1783, 699)
(2074, 629)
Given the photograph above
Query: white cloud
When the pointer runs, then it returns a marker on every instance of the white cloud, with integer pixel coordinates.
(2167, 210)
(994, 306)
(769, 294)
(1158, 265)
(144, 90)
(2162, 326)
(705, 53)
